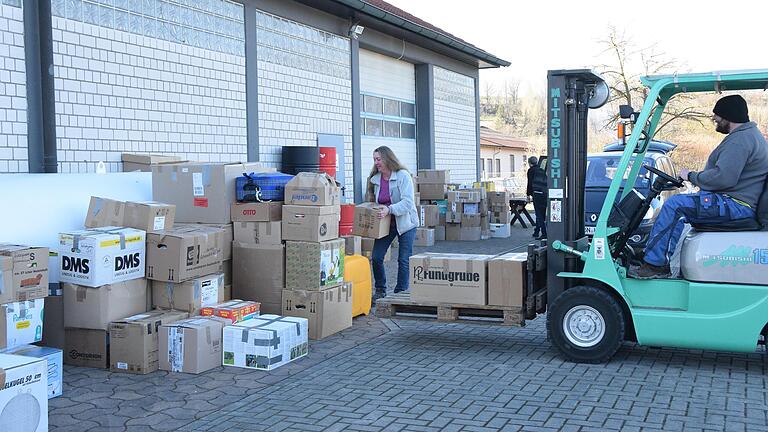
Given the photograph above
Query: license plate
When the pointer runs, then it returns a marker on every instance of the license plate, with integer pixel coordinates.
(589, 230)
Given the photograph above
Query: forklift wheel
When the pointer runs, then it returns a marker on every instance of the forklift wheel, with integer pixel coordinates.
(586, 325)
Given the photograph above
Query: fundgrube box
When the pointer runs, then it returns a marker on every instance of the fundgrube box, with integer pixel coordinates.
(449, 278)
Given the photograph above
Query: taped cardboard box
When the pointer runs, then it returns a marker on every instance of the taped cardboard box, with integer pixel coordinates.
(314, 266)
(53, 322)
(352, 245)
(501, 216)
(507, 279)
(425, 237)
(226, 239)
(257, 212)
(53, 358)
(328, 311)
(258, 232)
(259, 274)
(432, 191)
(23, 398)
(234, 310)
(465, 196)
(367, 222)
(133, 345)
(312, 224)
(86, 347)
(312, 189)
(149, 216)
(144, 161)
(449, 278)
(189, 296)
(266, 342)
(104, 212)
(426, 176)
(471, 220)
(21, 323)
(184, 253)
(498, 198)
(453, 232)
(95, 308)
(429, 215)
(28, 273)
(192, 345)
(101, 256)
(202, 192)
(452, 217)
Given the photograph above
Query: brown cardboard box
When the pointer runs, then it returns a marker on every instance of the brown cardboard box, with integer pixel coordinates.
(6, 278)
(452, 231)
(429, 215)
(314, 224)
(432, 191)
(226, 268)
(259, 274)
(312, 189)
(433, 176)
(257, 212)
(258, 232)
(425, 237)
(149, 216)
(227, 292)
(133, 344)
(465, 196)
(226, 239)
(144, 161)
(328, 311)
(471, 233)
(440, 233)
(202, 192)
(501, 217)
(184, 253)
(104, 212)
(189, 296)
(86, 347)
(367, 222)
(53, 322)
(471, 220)
(192, 345)
(498, 198)
(95, 308)
(353, 245)
(314, 266)
(507, 279)
(29, 273)
(453, 217)
(449, 278)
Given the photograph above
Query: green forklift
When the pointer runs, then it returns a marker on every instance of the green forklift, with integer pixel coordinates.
(720, 301)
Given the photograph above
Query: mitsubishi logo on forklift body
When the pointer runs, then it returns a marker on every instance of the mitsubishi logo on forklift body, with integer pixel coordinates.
(554, 138)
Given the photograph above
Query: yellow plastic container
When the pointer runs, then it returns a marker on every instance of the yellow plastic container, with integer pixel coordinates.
(357, 269)
(489, 186)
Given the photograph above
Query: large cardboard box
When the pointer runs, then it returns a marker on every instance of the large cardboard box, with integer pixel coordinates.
(21, 323)
(192, 345)
(104, 212)
(184, 253)
(498, 198)
(145, 161)
(465, 196)
(367, 222)
(202, 192)
(101, 256)
(314, 266)
(53, 322)
(86, 347)
(257, 212)
(312, 189)
(429, 215)
(24, 272)
(453, 232)
(149, 216)
(189, 296)
(313, 224)
(471, 233)
(432, 191)
(499, 216)
(471, 220)
(328, 311)
(426, 176)
(133, 345)
(95, 308)
(266, 342)
(507, 279)
(425, 237)
(53, 358)
(449, 278)
(258, 232)
(226, 238)
(23, 397)
(234, 311)
(352, 245)
(259, 274)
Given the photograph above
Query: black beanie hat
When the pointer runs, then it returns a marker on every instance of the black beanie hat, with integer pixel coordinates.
(732, 108)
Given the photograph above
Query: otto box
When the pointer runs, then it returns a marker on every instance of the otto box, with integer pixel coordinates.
(449, 278)
(23, 398)
(465, 196)
(53, 357)
(328, 311)
(425, 237)
(101, 256)
(86, 347)
(502, 230)
(257, 212)
(314, 266)
(314, 224)
(312, 189)
(184, 253)
(259, 274)
(189, 296)
(432, 191)
(24, 272)
(367, 222)
(202, 192)
(265, 342)
(234, 310)
(21, 323)
(258, 232)
(433, 176)
(429, 215)
(95, 308)
(191, 345)
(133, 344)
(507, 279)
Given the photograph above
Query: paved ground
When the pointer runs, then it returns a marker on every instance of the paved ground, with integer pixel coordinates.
(393, 375)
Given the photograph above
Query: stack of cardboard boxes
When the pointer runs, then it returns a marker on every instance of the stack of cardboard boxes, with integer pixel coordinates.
(467, 214)
(432, 187)
(500, 215)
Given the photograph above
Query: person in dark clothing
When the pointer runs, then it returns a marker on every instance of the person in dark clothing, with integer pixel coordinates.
(731, 184)
(537, 189)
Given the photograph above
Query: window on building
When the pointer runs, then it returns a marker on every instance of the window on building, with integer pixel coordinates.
(489, 163)
(407, 130)
(498, 167)
(388, 118)
(391, 108)
(407, 110)
(391, 129)
(373, 105)
(511, 164)
(373, 127)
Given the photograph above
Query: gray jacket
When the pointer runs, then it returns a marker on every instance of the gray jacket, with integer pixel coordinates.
(738, 166)
(401, 194)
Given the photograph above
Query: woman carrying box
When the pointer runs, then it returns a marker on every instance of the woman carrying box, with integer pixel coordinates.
(391, 185)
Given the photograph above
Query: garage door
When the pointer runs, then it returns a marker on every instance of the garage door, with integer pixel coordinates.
(388, 110)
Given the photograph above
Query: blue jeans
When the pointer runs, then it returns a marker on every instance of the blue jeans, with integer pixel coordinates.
(540, 207)
(702, 207)
(380, 247)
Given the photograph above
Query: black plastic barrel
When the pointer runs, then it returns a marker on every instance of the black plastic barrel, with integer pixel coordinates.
(301, 159)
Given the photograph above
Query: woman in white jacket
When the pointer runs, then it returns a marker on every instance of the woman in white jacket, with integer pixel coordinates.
(391, 185)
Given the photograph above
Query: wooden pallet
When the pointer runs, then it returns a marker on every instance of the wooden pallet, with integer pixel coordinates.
(401, 306)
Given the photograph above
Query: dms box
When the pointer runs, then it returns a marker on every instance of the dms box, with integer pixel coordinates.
(101, 256)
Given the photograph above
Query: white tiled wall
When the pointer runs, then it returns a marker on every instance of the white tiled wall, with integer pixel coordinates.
(455, 125)
(13, 90)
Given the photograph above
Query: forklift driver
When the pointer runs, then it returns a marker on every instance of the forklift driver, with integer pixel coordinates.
(730, 186)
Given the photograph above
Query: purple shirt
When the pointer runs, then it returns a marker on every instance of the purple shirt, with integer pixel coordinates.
(385, 198)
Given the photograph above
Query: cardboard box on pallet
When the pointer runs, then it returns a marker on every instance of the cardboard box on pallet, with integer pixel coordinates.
(507, 279)
(184, 253)
(266, 342)
(449, 278)
(367, 222)
(234, 311)
(21, 323)
(189, 296)
(314, 266)
(133, 345)
(257, 212)
(258, 232)
(23, 397)
(312, 224)
(101, 256)
(312, 189)
(24, 272)
(95, 308)
(148, 216)
(352, 245)
(86, 347)
(53, 358)
(191, 345)
(432, 191)
(429, 215)
(259, 274)
(328, 311)
(426, 176)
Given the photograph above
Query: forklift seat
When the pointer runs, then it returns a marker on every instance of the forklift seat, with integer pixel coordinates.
(760, 223)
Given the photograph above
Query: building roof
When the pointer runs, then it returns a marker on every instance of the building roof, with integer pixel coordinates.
(492, 138)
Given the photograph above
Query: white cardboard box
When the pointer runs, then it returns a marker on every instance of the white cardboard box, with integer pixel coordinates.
(500, 230)
(55, 364)
(102, 256)
(21, 323)
(23, 398)
(265, 342)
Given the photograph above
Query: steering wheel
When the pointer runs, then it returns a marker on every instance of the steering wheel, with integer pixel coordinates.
(678, 182)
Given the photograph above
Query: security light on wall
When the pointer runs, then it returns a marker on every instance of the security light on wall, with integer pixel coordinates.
(356, 30)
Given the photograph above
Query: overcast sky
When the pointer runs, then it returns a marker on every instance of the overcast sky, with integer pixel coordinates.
(556, 34)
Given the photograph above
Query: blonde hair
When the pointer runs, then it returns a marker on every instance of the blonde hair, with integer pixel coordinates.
(391, 161)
